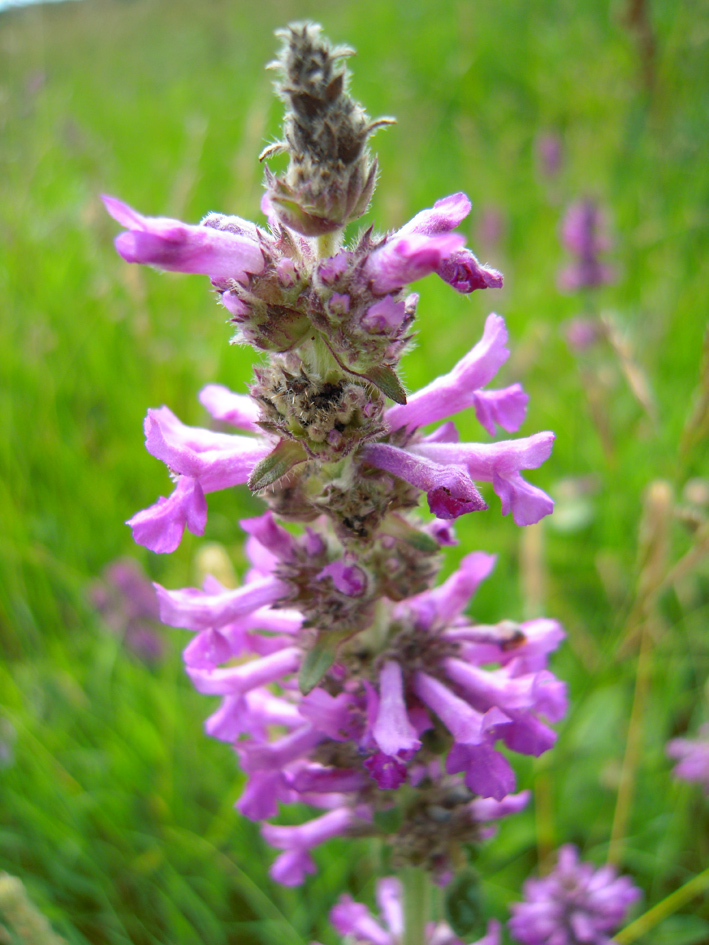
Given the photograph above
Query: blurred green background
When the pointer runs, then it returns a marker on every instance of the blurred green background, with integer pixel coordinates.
(115, 809)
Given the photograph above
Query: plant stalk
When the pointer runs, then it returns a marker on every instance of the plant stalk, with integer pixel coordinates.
(417, 904)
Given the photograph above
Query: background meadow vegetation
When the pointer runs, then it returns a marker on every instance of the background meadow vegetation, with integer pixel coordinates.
(115, 810)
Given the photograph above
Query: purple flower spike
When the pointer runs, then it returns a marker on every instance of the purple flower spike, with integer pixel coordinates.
(584, 229)
(550, 153)
(161, 527)
(573, 904)
(404, 259)
(343, 669)
(449, 490)
(170, 244)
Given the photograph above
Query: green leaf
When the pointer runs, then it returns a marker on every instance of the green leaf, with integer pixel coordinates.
(388, 383)
(278, 462)
(462, 905)
(317, 661)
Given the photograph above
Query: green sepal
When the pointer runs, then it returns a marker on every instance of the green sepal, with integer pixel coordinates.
(319, 659)
(298, 219)
(386, 380)
(422, 542)
(278, 462)
(398, 527)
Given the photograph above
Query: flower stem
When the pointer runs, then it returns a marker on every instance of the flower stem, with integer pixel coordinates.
(328, 244)
(680, 897)
(417, 904)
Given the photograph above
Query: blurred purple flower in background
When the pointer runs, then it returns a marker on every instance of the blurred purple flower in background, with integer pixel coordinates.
(693, 757)
(584, 233)
(582, 333)
(129, 606)
(574, 904)
(550, 153)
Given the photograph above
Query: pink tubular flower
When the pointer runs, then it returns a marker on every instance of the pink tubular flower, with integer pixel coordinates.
(573, 904)
(239, 410)
(291, 867)
(450, 491)
(203, 461)
(403, 259)
(438, 464)
(426, 244)
(500, 463)
(197, 610)
(455, 391)
(215, 460)
(393, 731)
(460, 269)
(170, 244)
(162, 526)
(354, 921)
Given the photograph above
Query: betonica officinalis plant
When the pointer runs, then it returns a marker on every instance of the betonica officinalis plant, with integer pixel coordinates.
(351, 678)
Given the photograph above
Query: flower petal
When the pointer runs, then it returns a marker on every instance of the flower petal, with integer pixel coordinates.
(452, 392)
(170, 244)
(161, 527)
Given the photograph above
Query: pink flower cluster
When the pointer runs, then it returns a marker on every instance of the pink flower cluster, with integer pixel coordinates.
(360, 734)
(363, 731)
(344, 672)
